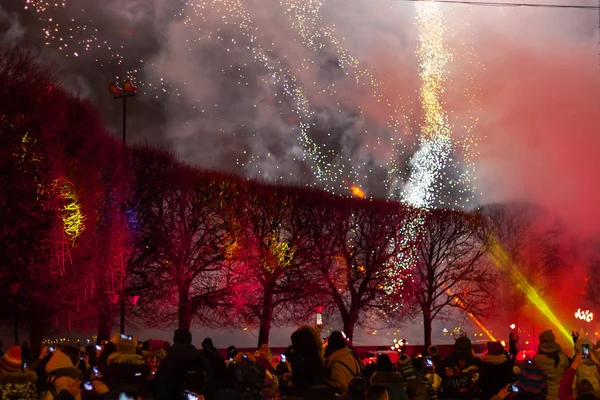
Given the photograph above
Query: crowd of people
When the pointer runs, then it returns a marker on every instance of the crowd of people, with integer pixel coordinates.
(310, 369)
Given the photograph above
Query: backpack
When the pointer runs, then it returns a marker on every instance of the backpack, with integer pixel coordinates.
(417, 389)
(46, 386)
(190, 375)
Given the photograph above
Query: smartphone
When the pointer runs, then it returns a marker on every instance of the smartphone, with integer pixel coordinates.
(230, 358)
(52, 348)
(98, 347)
(95, 371)
(81, 358)
(585, 351)
(245, 356)
(190, 395)
(25, 366)
(429, 362)
(88, 386)
(513, 389)
(283, 358)
(319, 320)
(128, 337)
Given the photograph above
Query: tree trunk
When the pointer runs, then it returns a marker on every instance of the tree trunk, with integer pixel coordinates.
(349, 323)
(266, 318)
(105, 324)
(185, 311)
(427, 322)
(36, 336)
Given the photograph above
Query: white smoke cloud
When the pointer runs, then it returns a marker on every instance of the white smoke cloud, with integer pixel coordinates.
(15, 30)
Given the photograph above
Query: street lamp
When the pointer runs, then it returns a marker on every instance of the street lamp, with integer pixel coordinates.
(14, 290)
(127, 302)
(319, 316)
(128, 90)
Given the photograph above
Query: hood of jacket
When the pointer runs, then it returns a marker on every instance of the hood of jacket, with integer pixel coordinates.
(59, 360)
(495, 359)
(17, 377)
(342, 355)
(549, 348)
(120, 358)
(386, 378)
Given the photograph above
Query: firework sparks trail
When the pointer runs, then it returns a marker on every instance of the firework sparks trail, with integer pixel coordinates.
(423, 186)
(436, 143)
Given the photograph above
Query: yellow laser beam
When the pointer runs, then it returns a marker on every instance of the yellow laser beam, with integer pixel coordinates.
(502, 260)
(462, 305)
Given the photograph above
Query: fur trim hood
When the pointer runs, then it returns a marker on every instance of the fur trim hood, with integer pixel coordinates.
(17, 377)
(495, 359)
(120, 358)
(59, 360)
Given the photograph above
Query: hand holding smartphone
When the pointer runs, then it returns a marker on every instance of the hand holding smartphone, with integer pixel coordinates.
(585, 351)
(428, 362)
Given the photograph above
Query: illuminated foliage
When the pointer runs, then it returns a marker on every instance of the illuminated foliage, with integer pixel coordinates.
(281, 253)
(71, 214)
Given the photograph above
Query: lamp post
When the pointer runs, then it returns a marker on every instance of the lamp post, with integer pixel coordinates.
(14, 290)
(126, 302)
(128, 90)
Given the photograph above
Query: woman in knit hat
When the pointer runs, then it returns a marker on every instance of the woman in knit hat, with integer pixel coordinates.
(551, 359)
(14, 383)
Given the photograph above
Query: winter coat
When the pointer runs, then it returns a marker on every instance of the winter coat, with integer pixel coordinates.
(127, 373)
(18, 386)
(461, 378)
(393, 382)
(307, 371)
(165, 375)
(496, 372)
(409, 375)
(545, 359)
(217, 367)
(587, 369)
(341, 367)
(62, 365)
(306, 361)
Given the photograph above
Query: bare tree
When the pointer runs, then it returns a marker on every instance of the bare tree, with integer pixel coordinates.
(183, 225)
(352, 247)
(263, 256)
(452, 271)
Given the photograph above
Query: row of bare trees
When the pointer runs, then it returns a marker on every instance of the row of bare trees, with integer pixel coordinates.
(201, 247)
